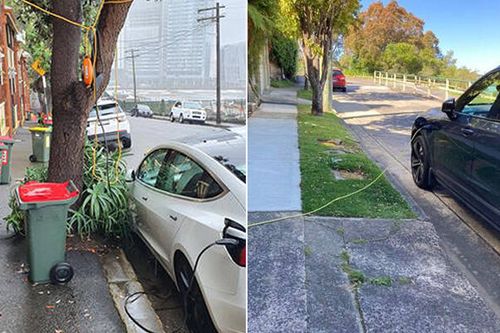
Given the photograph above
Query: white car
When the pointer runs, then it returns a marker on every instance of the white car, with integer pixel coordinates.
(188, 196)
(188, 111)
(114, 124)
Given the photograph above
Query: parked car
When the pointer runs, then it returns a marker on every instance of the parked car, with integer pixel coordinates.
(141, 110)
(188, 195)
(338, 80)
(188, 111)
(114, 124)
(459, 147)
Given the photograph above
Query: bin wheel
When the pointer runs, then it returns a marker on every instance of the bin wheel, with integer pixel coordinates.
(32, 158)
(61, 273)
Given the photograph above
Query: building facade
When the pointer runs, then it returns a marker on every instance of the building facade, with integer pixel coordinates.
(171, 48)
(14, 82)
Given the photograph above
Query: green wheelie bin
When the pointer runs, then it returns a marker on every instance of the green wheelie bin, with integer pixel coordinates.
(5, 159)
(40, 140)
(46, 206)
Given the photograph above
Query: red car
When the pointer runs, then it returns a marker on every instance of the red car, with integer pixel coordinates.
(338, 80)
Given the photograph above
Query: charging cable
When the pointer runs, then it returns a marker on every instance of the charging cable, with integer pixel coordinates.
(130, 299)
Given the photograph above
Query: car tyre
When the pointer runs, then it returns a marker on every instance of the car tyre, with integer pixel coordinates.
(344, 89)
(172, 119)
(126, 143)
(420, 164)
(181, 118)
(197, 316)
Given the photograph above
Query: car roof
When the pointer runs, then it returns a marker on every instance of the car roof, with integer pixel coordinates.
(105, 101)
(226, 143)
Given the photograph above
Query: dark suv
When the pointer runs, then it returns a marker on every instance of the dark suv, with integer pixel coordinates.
(460, 147)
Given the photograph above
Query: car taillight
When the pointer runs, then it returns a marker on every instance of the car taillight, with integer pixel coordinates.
(243, 257)
(238, 252)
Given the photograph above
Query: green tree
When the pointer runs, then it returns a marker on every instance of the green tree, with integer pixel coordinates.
(284, 51)
(261, 18)
(71, 98)
(402, 58)
(317, 23)
(378, 27)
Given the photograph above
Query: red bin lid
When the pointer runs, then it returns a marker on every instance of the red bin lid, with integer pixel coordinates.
(45, 192)
(6, 139)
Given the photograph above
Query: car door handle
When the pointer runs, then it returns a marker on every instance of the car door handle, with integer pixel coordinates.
(145, 198)
(173, 217)
(467, 131)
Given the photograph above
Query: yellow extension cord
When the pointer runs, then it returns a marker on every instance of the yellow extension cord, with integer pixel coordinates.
(92, 29)
(333, 200)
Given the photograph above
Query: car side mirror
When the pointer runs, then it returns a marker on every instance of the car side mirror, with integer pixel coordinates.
(449, 106)
(130, 176)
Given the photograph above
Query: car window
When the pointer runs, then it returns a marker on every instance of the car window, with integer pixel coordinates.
(192, 105)
(178, 105)
(337, 72)
(150, 167)
(182, 176)
(105, 110)
(482, 99)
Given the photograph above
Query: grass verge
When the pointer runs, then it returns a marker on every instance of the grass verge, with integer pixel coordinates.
(319, 186)
(305, 94)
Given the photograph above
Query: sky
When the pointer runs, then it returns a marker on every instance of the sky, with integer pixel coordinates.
(233, 25)
(466, 27)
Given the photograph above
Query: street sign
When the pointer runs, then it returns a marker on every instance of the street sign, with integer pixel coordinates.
(36, 67)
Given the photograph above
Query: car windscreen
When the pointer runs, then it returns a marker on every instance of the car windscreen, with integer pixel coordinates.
(337, 72)
(192, 105)
(104, 110)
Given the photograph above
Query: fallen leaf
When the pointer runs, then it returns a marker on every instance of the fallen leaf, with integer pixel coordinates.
(50, 307)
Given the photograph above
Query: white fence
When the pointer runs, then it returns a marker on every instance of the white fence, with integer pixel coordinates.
(431, 87)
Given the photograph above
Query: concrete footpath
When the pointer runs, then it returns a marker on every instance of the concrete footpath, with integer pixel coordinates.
(273, 154)
(327, 274)
(88, 303)
(356, 275)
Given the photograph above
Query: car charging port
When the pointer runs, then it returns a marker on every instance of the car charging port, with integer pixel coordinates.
(234, 230)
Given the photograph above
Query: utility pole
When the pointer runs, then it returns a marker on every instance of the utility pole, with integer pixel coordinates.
(133, 56)
(216, 18)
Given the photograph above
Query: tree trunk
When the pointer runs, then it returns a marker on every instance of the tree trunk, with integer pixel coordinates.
(306, 83)
(317, 102)
(71, 100)
(313, 73)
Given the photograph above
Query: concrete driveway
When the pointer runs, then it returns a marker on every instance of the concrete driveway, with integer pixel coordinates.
(382, 118)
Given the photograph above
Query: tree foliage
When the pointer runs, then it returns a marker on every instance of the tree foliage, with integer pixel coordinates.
(284, 51)
(402, 58)
(261, 24)
(393, 39)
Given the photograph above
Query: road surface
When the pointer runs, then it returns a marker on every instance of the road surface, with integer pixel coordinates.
(382, 119)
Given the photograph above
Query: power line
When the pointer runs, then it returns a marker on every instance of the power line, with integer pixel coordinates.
(216, 18)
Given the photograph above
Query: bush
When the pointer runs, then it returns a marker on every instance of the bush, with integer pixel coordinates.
(15, 219)
(284, 51)
(104, 209)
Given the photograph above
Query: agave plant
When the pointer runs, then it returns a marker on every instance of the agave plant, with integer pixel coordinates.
(104, 200)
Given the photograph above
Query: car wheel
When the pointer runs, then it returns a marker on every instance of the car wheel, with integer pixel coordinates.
(181, 118)
(420, 164)
(126, 143)
(172, 119)
(197, 316)
(344, 89)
